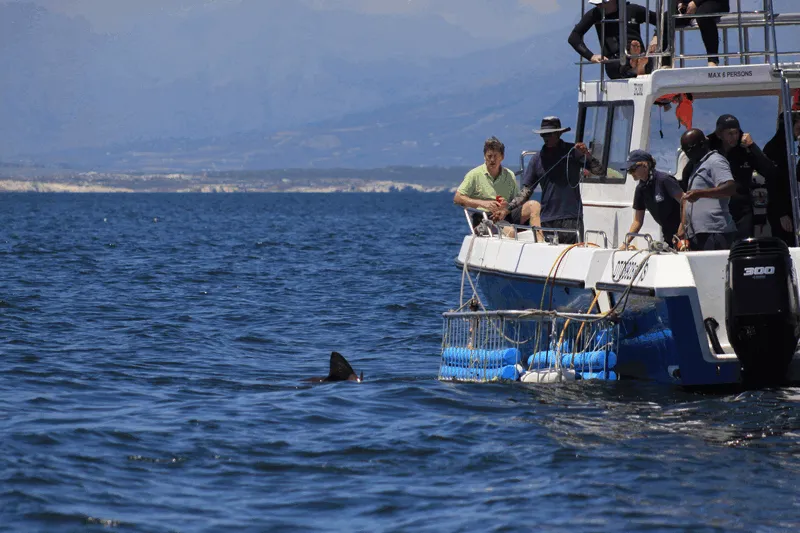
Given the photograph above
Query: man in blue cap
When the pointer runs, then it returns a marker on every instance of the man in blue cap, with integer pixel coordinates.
(658, 193)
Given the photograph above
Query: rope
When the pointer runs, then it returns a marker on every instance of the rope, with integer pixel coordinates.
(465, 273)
(583, 325)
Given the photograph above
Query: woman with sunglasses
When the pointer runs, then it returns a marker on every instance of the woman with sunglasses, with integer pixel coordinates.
(658, 193)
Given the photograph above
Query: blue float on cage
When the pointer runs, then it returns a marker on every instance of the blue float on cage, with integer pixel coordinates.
(585, 361)
(465, 357)
(508, 372)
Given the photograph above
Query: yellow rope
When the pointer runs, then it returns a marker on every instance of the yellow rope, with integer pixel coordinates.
(553, 271)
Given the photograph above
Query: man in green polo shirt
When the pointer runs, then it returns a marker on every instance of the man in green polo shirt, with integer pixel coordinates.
(490, 186)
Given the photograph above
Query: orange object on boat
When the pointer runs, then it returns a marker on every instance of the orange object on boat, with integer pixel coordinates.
(684, 110)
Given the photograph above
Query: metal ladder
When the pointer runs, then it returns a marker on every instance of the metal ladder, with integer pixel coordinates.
(742, 21)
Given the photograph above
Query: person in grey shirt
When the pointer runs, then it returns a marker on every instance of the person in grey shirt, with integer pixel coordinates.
(709, 225)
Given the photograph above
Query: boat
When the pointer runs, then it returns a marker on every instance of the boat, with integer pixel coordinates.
(540, 311)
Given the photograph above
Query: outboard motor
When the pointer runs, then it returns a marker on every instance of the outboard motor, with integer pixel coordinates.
(761, 307)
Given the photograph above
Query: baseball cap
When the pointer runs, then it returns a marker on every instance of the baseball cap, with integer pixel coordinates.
(726, 122)
(638, 156)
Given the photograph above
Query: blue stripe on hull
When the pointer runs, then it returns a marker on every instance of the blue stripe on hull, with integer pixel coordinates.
(658, 337)
(499, 292)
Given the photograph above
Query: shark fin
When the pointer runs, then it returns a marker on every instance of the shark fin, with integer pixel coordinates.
(340, 368)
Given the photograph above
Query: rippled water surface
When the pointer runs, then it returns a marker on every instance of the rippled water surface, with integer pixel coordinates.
(153, 348)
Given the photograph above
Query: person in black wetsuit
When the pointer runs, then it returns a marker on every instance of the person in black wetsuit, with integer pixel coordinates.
(611, 45)
(707, 25)
(744, 156)
(779, 208)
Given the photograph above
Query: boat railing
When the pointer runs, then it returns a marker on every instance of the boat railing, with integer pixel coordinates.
(646, 236)
(537, 233)
(525, 154)
(600, 233)
(469, 211)
(742, 22)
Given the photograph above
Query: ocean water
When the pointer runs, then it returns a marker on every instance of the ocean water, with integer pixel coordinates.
(153, 348)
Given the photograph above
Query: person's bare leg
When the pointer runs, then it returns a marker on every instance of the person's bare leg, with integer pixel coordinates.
(531, 212)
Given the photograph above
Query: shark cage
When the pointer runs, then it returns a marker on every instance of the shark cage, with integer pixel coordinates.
(532, 346)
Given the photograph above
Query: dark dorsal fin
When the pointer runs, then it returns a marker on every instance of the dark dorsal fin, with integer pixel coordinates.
(340, 368)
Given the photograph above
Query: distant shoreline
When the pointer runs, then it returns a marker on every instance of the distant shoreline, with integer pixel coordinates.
(39, 186)
(382, 180)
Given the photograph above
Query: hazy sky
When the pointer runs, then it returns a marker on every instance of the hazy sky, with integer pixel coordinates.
(507, 20)
(90, 73)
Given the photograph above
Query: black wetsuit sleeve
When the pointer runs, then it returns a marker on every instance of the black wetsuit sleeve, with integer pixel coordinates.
(580, 29)
(762, 163)
(637, 12)
(779, 200)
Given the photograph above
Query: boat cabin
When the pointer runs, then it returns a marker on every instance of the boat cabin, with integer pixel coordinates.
(617, 116)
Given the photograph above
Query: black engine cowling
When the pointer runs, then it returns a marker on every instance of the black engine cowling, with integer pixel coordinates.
(762, 311)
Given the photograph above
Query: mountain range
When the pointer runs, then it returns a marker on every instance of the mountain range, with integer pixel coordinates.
(216, 95)
(267, 84)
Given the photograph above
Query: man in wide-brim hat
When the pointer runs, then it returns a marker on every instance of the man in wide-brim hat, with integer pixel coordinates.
(558, 169)
(551, 125)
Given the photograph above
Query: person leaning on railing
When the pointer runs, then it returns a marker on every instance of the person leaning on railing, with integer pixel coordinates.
(612, 44)
(779, 207)
(490, 186)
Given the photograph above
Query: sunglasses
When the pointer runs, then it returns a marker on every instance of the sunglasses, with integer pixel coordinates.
(689, 147)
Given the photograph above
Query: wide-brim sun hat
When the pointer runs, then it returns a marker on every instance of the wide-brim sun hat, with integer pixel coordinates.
(551, 125)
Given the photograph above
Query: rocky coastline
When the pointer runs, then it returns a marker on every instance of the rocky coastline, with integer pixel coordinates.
(94, 182)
